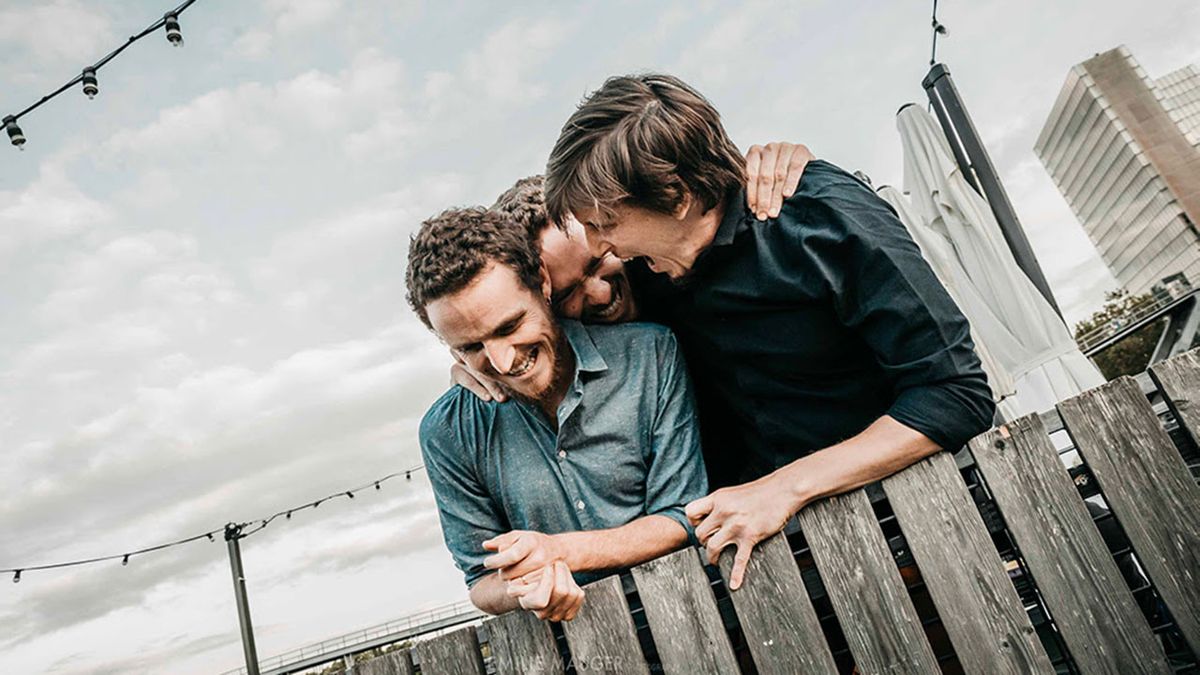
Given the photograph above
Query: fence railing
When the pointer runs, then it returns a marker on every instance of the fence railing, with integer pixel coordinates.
(1101, 625)
(360, 640)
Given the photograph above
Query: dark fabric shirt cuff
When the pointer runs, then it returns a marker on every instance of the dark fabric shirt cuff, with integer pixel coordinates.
(948, 414)
(676, 514)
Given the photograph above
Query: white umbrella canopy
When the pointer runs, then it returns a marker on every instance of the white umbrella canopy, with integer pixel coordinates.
(1017, 327)
(939, 252)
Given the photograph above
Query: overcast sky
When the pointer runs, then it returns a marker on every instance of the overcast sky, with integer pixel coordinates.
(201, 271)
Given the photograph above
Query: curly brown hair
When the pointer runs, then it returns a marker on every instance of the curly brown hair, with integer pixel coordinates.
(525, 202)
(453, 247)
(643, 140)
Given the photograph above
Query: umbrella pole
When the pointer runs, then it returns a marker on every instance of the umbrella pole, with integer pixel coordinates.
(979, 171)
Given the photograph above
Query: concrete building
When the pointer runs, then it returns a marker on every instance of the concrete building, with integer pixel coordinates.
(1124, 150)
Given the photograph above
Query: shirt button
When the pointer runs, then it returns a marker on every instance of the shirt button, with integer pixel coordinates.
(562, 454)
(579, 504)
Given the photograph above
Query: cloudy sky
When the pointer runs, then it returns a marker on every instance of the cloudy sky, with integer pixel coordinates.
(201, 271)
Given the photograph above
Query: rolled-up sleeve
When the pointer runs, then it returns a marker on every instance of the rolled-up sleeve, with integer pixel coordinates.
(885, 290)
(467, 512)
(676, 468)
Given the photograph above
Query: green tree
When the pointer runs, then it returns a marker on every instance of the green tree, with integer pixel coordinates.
(1132, 354)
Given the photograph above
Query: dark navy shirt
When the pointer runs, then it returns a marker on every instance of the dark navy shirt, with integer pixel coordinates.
(801, 330)
(627, 446)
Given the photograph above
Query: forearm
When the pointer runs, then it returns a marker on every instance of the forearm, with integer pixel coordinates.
(490, 594)
(636, 542)
(882, 449)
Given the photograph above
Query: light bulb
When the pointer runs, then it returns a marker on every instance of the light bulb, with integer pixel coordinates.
(90, 86)
(174, 36)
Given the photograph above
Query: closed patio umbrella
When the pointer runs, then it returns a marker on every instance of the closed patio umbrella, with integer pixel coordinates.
(1019, 331)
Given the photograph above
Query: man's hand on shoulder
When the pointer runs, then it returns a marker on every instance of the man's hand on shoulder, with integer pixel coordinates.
(523, 552)
(550, 592)
(475, 382)
(772, 174)
(741, 516)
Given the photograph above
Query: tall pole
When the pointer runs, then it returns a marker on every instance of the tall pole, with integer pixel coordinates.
(232, 534)
(951, 111)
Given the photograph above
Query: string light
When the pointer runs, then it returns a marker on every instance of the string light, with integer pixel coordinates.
(87, 77)
(237, 528)
(14, 132)
(174, 35)
(90, 86)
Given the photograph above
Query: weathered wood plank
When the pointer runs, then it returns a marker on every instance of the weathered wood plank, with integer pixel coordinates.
(392, 663)
(776, 615)
(456, 653)
(1179, 381)
(522, 643)
(1074, 571)
(872, 604)
(601, 637)
(683, 616)
(976, 600)
(1148, 487)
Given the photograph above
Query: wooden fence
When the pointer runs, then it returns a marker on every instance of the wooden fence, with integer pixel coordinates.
(1138, 469)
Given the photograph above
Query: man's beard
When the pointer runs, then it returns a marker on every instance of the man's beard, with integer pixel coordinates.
(561, 372)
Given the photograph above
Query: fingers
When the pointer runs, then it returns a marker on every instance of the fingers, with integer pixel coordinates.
(509, 556)
(501, 541)
(538, 597)
(698, 509)
(800, 158)
(717, 542)
(753, 164)
(766, 177)
(707, 528)
(744, 549)
(462, 377)
(779, 178)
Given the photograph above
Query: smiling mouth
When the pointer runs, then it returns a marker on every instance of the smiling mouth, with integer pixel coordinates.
(610, 311)
(523, 367)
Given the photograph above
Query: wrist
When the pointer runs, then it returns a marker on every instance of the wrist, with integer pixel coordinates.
(791, 482)
(564, 549)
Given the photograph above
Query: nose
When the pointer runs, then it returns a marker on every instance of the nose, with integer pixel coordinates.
(500, 354)
(597, 292)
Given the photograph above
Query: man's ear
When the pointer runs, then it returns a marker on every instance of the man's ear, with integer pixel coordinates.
(547, 289)
(685, 205)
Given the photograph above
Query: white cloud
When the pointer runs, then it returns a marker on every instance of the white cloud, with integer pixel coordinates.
(49, 209)
(58, 30)
(295, 15)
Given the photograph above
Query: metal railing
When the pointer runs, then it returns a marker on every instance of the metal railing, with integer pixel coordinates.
(345, 643)
(1099, 334)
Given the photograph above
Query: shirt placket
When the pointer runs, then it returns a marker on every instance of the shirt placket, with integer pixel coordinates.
(562, 459)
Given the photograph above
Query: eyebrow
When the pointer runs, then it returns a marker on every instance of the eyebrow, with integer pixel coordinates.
(565, 293)
(505, 327)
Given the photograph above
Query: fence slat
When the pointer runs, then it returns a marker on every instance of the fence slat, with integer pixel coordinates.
(1179, 381)
(976, 600)
(776, 615)
(601, 636)
(1147, 486)
(392, 663)
(1074, 571)
(522, 643)
(456, 653)
(872, 604)
(683, 616)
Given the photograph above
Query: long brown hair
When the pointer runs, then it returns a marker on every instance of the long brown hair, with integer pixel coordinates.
(642, 140)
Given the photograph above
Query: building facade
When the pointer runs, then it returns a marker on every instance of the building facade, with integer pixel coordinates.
(1124, 150)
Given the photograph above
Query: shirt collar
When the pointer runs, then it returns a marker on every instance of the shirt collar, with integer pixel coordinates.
(587, 357)
(735, 220)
